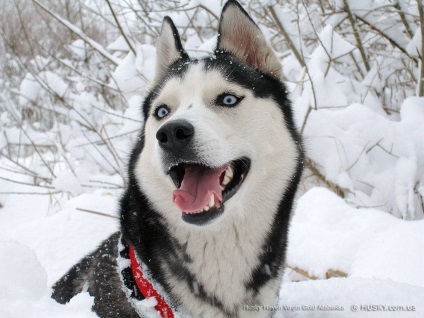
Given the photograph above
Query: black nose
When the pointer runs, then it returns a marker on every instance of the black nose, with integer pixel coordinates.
(175, 135)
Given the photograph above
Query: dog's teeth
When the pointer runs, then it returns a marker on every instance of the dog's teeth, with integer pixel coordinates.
(226, 180)
(229, 172)
(206, 208)
(212, 201)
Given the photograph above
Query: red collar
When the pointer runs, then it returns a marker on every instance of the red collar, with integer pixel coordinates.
(147, 289)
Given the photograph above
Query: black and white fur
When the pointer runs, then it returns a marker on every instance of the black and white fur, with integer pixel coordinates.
(216, 268)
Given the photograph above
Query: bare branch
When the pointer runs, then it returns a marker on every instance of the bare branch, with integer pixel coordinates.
(387, 37)
(287, 37)
(356, 34)
(403, 18)
(311, 165)
(96, 46)
(329, 274)
(26, 183)
(97, 213)
(30, 193)
(120, 28)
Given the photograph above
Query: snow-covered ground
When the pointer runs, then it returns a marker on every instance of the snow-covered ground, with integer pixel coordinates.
(381, 254)
(38, 247)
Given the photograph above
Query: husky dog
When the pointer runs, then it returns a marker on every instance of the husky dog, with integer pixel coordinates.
(212, 181)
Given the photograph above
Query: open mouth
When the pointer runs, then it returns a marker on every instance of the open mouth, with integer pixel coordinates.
(202, 191)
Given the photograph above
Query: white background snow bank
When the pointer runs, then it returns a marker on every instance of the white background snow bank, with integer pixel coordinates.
(59, 239)
(327, 234)
(23, 288)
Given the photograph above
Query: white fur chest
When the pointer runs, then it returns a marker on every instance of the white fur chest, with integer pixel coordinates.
(222, 262)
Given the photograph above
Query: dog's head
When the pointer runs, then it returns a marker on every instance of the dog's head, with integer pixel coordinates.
(218, 131)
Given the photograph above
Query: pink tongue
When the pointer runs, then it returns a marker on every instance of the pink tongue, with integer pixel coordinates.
(198, 185)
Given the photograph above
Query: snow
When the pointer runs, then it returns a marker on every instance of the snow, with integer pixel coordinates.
(134, 72)
(31, 88)
(67, 182)
(119, 45)
(327, 234)
(376, 250)
(59, 238)
(149, 302)
(350, 297)
(78, 47)
(387, 154)
(24, 291)
(334, 44)
(27, 273)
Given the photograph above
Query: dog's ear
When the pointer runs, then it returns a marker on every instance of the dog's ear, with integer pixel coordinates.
(240, 36)
(168, 48)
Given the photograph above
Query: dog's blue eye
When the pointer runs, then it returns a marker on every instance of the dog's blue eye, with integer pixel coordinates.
(228, 100)
(161, 111)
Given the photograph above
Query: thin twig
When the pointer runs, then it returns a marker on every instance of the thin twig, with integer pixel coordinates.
(26, 183)
(120, 28)
(356, 34)
(30, 193)
(33, 144)
(97, 213)
(305, 120)
(387, 37)
(403, 18)
(209, 11)
(329, 274)
(101, 141)
(84, 75)
(311, 165)
(287, 37)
